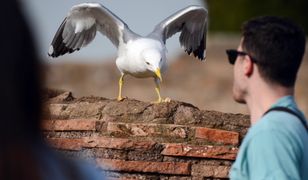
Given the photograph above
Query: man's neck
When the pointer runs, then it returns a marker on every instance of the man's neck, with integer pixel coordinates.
(263, 97)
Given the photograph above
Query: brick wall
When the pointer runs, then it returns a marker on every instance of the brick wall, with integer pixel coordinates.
(139, 140)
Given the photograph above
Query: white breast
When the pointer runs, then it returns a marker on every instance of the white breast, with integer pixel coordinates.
(129, 59)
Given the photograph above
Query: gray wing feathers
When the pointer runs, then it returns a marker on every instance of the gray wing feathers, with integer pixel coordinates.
(192, 23)
(109, 26)
(80, 26)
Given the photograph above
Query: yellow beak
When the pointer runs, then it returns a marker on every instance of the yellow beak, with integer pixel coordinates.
(157, 72)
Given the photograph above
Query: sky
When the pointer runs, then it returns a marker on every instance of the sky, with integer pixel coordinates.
(45, 16)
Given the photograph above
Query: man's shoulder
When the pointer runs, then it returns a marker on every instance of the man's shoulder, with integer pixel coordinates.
(278, 121)
(278, 124)
(277, 137)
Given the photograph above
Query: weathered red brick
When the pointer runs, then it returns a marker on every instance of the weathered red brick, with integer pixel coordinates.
(145, 129)
(216, 152)
(118, 143)
(219, 136)
(69, 125)
(178, 178)
(132, 177)
(100, 142)
(210, 171)
(66, 144)
(56, 110)
(76, 110)
(131, 129)
(178, 168)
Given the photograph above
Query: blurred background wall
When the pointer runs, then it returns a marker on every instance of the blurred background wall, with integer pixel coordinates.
(227, 16)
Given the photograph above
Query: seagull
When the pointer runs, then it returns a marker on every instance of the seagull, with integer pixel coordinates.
(138, 56)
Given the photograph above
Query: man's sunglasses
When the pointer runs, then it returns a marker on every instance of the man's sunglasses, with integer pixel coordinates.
(232, 55)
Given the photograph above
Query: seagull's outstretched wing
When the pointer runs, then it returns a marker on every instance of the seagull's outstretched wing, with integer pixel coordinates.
(192, 22)
(79, 28)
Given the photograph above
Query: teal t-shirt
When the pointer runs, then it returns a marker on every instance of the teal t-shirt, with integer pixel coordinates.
(276, 147)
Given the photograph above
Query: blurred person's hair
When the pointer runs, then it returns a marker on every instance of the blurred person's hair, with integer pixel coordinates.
(278, 45)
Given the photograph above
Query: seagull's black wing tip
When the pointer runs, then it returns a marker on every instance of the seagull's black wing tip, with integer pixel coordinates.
(199, 52)
(51, 52)
(58, 47)
(60, 50)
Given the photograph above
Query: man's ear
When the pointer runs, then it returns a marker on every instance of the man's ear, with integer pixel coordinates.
(248, 66)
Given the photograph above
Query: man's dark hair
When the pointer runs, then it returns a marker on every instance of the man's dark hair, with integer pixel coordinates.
(278, 45)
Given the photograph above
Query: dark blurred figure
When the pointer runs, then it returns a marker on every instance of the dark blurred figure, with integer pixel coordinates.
(23, 154)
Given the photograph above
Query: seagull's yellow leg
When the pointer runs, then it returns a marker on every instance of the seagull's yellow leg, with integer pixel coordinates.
(157, 89)
(121, 81)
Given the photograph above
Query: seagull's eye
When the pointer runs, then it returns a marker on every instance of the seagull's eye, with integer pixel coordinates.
(147, 63)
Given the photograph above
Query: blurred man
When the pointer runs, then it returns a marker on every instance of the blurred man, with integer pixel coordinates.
(265, 68)
(23, 153)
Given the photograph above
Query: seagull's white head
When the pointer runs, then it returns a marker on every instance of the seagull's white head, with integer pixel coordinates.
(153, 61)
